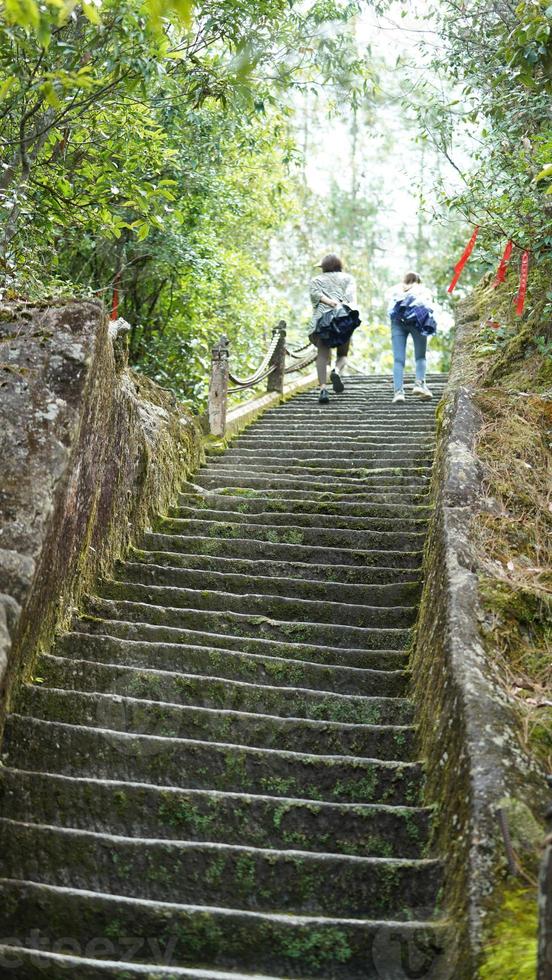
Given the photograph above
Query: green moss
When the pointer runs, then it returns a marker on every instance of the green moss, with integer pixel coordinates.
(220, 530)
(215, 870)
(184, 815)
(278, 784)
(317, 948)
(238, 492)
(245, 871)
(120, 800)
(293, 536)
(510, 952)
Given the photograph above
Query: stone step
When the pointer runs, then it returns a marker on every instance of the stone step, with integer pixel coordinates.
(239, 877)
(288, 664)
(367, 706)
(277, 607)
(293, 570)
(136, 809)
(135, 713)
(391, 490)
(350, 414)
(116, 928)
(326, 556)
(243, 624)
(387, 421)
(76, 750)
(347, 522)
(369, 442)
(366, 399)
(411, 481)
(407, 463)
(374, 594)
(297, 534)
(294, 502)
(334, 459)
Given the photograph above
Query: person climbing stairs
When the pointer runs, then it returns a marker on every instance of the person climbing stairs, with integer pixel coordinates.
(214, 772)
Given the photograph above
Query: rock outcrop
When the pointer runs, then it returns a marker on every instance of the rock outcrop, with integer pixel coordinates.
(89, 453)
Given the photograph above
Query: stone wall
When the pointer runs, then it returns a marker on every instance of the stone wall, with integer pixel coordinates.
(89, 453)
(475, 764)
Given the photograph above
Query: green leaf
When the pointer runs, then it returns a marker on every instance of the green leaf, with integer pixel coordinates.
(7, 85)
(26, 13)
(50, 95)
(92, 13)
(545, 172)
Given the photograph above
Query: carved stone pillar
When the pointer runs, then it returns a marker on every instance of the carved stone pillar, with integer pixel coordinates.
(218, 387)
(278, 360)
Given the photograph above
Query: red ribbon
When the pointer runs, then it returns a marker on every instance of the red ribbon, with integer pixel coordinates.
(504, 262)
(524, 275)
(467, 252)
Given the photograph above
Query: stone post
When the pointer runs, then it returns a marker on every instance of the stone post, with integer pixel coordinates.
(218, 387)
(278, 359)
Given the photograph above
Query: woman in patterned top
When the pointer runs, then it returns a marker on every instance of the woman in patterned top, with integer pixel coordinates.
(329, 290)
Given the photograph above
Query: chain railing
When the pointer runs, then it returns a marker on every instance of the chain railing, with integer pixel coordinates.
(273, 367)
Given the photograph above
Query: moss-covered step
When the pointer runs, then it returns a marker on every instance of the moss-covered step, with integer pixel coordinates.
(390, 489)
(281, 549)
(320, 466)
(75, 750)
(293, 519)
(293, 645)
(291, 503)
(97, 671)
(353, 408)
(134, 809)
(372, 594)
(375, 593)
(336, 460)
(368, 428)
(348, 424)
(410, 479)
(285, 945)
(365, 707)
(119, 711)
(273, 532)
(280, 607)
(206, 872)
(292, 570)
(244, 624)
(326, 441)
(53, 964)
(274, 663)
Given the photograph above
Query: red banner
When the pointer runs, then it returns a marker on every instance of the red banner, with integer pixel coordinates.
(467, 252)
(115, 300)
(115, 305)
(522, 292)
(504, 262)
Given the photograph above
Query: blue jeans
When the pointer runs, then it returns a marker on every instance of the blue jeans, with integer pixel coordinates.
(399, 336)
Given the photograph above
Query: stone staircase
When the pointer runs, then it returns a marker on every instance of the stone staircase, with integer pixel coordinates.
(214, 773)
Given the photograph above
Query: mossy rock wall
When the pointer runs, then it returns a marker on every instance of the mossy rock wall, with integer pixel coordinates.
(467, 728)
(90, 452)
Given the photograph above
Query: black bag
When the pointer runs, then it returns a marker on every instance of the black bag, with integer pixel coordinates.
(336, 326)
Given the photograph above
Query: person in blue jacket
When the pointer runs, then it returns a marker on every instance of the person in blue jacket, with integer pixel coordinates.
(411, 313)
